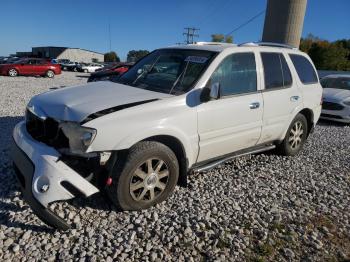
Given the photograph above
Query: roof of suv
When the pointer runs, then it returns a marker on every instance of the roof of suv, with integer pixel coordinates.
(218, 47)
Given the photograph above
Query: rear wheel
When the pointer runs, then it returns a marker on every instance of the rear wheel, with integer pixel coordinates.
(145, 177)
(295, 137)
(50, 74)
(13, 72)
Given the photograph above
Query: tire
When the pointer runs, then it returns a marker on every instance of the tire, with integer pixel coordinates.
(86, 71)
(75, 69)
(50, 74)
(65, 68)
(13, 72)
(295, 137)
(137, 187)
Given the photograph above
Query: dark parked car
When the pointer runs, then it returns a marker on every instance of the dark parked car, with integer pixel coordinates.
(31, 66)
(109, 72)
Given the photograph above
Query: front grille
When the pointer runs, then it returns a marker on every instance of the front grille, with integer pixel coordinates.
(331, 106)
(46, 131)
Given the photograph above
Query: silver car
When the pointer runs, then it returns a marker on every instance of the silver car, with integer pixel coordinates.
(336, 98)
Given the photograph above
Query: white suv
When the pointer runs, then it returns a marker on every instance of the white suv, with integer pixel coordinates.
(178, 109)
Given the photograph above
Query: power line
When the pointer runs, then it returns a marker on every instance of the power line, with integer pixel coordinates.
(247, 22)
(190, 33)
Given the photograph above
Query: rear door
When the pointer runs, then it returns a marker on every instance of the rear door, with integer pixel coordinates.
(282, 96)
(233, 121)
(26, 67)
(40, 67)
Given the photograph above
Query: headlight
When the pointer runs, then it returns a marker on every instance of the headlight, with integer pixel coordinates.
(80, 138)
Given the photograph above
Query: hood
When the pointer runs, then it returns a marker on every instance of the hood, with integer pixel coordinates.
(77, 103)
(334, 94)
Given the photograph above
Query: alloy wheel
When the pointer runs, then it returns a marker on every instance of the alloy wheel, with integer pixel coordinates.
(149, 180)
(296, 135)
(13, 72)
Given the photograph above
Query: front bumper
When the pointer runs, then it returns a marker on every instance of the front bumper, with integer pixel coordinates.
(342, 116)
(38, 165)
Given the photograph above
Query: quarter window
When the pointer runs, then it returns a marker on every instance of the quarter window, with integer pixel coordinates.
(305, 70)
(236, 74)
(276, 71)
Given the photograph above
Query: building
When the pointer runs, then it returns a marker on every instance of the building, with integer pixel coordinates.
(284, 21)
(55, 52)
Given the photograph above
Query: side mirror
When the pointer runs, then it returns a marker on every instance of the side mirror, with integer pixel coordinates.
(210, 93)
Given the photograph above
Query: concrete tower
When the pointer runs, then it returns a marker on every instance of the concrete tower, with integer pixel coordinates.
(284, 21)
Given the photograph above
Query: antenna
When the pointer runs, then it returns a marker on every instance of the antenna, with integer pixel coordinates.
(109, 35)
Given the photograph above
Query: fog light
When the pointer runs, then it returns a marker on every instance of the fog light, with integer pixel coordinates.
(44, 188)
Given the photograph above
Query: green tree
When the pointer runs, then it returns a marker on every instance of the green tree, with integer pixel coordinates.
(221, 38)
(135, 55)
(327, 55)
(111, 57)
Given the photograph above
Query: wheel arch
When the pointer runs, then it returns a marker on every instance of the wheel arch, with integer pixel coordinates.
(178, 148)
(309, 115)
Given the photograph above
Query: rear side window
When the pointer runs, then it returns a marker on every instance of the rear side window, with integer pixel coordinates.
(305, 70)
(276, 71)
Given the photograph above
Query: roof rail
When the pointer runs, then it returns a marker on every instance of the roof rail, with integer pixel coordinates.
(212, 43)
(268, 44)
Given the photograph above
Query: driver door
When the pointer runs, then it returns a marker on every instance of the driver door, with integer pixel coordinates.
(234, 120)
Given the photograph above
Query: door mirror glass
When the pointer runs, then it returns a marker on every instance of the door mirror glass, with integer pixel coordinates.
(215, 90)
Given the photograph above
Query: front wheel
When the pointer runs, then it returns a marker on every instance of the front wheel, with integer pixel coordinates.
(295, 137)
(50, 74)
(13, 72)
(145, 177)
(86, 71)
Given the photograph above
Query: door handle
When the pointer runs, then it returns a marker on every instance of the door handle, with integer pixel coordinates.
(294, 98)
(254, 105)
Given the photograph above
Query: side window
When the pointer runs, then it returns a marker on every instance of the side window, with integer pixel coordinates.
(236, 74)
(305, 70)
(276, 71)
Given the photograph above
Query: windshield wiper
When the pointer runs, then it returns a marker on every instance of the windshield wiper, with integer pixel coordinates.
(178, 78)
(145, 72)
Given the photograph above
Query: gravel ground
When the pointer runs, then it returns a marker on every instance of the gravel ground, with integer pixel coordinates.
(256, 208)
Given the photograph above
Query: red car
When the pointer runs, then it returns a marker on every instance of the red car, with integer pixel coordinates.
(31, 66)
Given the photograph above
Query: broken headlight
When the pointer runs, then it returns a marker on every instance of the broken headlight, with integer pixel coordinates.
(80, 138)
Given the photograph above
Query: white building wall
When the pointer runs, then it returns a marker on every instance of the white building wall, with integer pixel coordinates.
(80, 55)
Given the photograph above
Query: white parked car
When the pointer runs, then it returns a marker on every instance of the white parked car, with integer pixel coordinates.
(178, 109)
(90, 68)
(336, 98)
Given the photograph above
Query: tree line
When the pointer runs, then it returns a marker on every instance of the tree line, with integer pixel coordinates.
(133, 56)
(327, 55)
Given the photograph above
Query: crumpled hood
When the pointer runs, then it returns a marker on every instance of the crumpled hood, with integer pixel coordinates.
(78, 102)
(334, 94)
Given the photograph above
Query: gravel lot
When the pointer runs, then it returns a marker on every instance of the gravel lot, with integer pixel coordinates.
(256, 208)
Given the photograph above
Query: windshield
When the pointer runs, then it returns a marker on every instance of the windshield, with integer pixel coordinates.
(168, 70)
(339, 83)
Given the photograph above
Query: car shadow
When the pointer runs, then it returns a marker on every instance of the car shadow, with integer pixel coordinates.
(83, 76)
(325, 122)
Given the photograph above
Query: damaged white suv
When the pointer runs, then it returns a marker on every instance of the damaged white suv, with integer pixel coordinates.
(178, 109)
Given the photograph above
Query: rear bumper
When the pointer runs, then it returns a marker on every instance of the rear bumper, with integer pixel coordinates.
(38, 167)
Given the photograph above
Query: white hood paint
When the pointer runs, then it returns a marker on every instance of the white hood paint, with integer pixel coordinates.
(336, 95)
(76, 103)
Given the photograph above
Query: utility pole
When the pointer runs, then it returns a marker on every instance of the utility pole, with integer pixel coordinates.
(284, 21)
(190, 33)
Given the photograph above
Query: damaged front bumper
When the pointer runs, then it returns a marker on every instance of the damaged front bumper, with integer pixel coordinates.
(43, 176)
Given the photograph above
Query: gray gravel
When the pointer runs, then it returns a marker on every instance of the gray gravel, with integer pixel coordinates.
(257, 208)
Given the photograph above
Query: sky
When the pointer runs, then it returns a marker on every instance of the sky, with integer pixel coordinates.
(141, 24)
